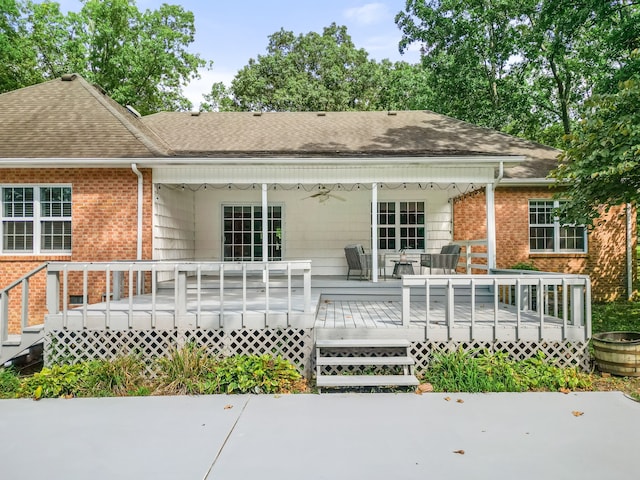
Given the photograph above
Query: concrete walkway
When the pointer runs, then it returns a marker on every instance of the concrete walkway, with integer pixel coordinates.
(329, 436)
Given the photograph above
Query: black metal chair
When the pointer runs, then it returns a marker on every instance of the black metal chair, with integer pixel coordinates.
(447, 259)
(357, 259)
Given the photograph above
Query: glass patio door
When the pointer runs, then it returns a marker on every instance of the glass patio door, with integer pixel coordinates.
(242, 232)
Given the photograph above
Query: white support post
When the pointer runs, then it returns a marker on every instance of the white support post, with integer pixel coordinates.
(53, 292)
(374, 232)
(491, 227)
(265, 230)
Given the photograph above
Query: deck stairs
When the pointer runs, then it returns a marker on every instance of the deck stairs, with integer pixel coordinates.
(20, 345)
(352, 363)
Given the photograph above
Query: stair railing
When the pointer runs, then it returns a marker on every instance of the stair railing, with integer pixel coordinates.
(5, 295)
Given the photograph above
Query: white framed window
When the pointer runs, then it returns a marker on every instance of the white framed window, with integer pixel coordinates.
(242, 232)
(401, 225)
(546, 234)
(36, 219)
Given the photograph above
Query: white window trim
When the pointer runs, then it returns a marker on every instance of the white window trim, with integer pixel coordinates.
(399, 225)
(252, 204)
(556, 230)
(37, 221)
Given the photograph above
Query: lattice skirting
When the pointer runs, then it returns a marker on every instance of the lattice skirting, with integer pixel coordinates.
(71, 346)
(562, 354)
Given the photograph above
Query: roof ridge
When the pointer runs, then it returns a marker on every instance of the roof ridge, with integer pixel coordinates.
(157, 146)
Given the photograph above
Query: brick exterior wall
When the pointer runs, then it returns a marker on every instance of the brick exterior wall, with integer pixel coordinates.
(605, 260)
(104, 228)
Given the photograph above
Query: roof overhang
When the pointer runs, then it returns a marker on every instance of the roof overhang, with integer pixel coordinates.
(475, 160)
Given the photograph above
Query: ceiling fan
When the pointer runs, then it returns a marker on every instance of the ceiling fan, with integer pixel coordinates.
(324, 195)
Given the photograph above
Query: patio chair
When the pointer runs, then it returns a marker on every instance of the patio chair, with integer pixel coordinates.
(357, 260)
(447, 259)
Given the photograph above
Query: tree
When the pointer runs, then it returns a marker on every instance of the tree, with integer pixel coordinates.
(601, 166)
(139, 58)
(468, 46)
(17, 61)
(310, 72)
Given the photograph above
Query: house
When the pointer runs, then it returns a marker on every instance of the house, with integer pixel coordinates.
(84, 179)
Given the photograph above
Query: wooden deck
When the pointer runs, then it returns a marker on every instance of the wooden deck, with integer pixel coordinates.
(341, 310)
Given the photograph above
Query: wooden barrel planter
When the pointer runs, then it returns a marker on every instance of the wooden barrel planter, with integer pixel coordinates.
(618, 353)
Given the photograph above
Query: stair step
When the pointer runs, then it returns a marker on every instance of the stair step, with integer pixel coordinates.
(12, 341)
(365, 380)
(364, 343)
(33, 329)
(365, 361)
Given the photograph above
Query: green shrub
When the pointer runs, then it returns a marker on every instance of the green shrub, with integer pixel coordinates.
(460, 371)
(185, 371)
(9, 383)
(256, 374)
(117, 377)
(524, 266)
(56, 381)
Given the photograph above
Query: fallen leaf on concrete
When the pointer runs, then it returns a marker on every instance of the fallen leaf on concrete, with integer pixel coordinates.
(459, 452)
(227, 407)
(576, 413)
(424, 388)
(460, 400)
(565, 391)
(447, 399)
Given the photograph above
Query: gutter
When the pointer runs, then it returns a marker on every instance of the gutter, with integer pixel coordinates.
(630, 253)
(134, 167)
(151, 162)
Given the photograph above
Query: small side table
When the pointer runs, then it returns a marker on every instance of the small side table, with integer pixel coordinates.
(402, 268)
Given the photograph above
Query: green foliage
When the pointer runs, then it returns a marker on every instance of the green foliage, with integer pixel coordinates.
(254, 374)
(120, 376)
(9, 383)
(184, 370)
(524, 266)
(56, 381)
(460, 371)
(615, 317)
(140, 58)
(601, 166)
(316, 72)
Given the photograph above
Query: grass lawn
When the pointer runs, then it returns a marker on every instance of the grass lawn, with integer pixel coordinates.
(610, 317)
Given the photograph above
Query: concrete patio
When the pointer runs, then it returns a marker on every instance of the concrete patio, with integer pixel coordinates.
(332, 436)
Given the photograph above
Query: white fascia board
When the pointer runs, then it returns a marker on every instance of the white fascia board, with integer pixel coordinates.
(184, 161)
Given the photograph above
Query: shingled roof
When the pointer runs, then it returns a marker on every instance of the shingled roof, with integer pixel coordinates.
(69, 118)
(343, 134)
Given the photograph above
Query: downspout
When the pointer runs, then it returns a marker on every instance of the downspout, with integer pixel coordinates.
(139, 231)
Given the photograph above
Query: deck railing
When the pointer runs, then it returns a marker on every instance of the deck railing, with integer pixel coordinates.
(185, 277)
(5, 294)
(509, 298)
(470, 253)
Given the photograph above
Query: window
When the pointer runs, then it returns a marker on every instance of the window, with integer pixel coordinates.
(401, 225)
(546, 234)
(242, 226)
(36, 219)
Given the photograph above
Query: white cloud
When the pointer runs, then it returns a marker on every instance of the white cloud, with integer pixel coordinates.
(368, 14)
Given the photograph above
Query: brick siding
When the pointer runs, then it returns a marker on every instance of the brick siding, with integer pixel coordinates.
(605, 260)
(104, 228)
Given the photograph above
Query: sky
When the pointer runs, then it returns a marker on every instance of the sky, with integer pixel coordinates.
(230, 33)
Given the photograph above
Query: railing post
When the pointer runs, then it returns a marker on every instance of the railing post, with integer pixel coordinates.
(53, 292)
(307, 289)
(25, 303)
(406, 305)
(467, 257)
(577, 305)
(450, 309)
(4, 316)
(117, 284)
(181, 297)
